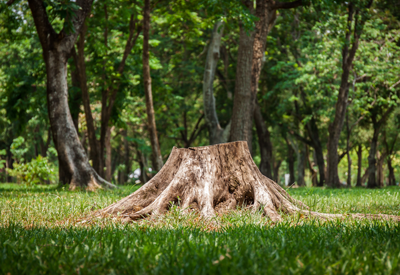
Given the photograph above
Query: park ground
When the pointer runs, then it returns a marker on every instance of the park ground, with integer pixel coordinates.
(42, 231)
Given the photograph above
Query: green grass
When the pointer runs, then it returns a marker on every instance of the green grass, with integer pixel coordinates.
(39, 234)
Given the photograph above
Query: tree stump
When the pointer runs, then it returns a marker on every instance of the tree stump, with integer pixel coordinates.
(210, 179)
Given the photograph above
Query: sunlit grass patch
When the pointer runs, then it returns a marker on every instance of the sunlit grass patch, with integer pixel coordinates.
(41, 231)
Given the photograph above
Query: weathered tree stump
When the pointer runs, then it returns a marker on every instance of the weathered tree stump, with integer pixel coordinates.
(210, 179)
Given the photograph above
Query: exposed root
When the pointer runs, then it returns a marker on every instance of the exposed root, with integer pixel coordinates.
(93, 183)
(211, 179)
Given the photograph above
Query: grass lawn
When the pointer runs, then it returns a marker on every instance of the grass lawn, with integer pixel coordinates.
(40, 233)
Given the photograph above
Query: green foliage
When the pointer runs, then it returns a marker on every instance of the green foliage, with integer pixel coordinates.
(37, 171)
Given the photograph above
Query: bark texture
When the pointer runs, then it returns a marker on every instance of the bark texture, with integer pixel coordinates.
(243, 101)
(359, 165)
(156, 158)
(74, 167)
(210, 179)
(264, 141)
(216, 132)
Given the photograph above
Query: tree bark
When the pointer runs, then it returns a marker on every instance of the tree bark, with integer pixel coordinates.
(313, 132)
(336, 126)
(377, 124)
(244, 99)
(216, 132)
(249, 65)
(277, 165)
(108, 154)
(264, 141)
(74, 167)
(301, 162)
(290, 161)
(314, 179)
(389, 152)
(359, 165)
(372, 183)
(392, 178)
(94, 152)
(380, 175)
(210, 179)
(156, 152)
(348, 152)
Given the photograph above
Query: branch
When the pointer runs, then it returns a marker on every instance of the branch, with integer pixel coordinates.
(194, 135)
(394, 85)
(128, 48)
(302, 139)
(287, 5)
(42, 23)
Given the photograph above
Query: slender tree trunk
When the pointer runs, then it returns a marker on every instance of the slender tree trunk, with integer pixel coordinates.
(277, 165)
(372, 183)
(313, 172)
(76, 98)
(348, 152)
(143, 166)
(392, 178)
(216, 133)
(359, 165)
(389, 152)
(94, 153)
(156, 159)
(380, 174)
(290, 161)
(244, 99)
(336, 126)
(301, 162)
(108, 154)
(264, 141)
(313, 133)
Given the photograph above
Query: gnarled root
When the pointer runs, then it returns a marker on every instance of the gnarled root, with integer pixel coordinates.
(210, 179)
(214, 179)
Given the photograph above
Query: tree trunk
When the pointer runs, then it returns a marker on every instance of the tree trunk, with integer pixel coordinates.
(380, 174)
(301, 162)
(264, 141)
(76, 98)
(108, 172)
(216, 133)
(392, 178)
(156, 157)
(277, 165)
(313, 132)
(94, 153)
(211, 179)
(348, 153)
(389, 152)
(244, 99)
(348, 54)
(74, 167)
(372, 183)
(359, 165)
(290, 161)
(313, 172)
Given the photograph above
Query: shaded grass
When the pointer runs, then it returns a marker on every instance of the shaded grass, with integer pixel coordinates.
(39, 235)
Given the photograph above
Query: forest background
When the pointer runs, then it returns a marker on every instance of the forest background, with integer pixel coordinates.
(321, 81)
